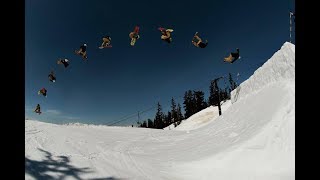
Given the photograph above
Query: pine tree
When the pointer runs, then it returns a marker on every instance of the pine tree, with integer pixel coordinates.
(193, 103)
(168, 118)
(226, 94)
(199, 101)
(179, 115)
(150, 123)
(173, 111)
(208, 103)
(188, 103)
(144, 124)
(214, 96)
(158, 120)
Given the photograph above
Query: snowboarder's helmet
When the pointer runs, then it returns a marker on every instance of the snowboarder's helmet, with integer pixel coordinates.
(85, 44)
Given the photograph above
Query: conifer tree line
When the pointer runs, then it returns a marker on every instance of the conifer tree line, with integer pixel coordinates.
(193, 102)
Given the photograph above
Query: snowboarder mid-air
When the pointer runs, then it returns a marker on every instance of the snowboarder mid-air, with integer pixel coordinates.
(64, 62)
(43, 91)
(82, 51)
(37, 110)
(166, 34)
(232, 57)
(51, 77)
(197, 41)
(106, 42)
(134, 36)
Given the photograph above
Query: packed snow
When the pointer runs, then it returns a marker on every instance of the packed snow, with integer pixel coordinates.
(201, 118)
(254, 138)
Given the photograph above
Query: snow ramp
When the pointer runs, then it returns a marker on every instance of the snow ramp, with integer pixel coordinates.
(253, 139)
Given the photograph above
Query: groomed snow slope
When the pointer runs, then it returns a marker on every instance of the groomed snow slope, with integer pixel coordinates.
(253, 139)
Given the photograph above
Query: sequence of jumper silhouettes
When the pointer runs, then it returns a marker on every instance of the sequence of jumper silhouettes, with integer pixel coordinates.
(166, 35)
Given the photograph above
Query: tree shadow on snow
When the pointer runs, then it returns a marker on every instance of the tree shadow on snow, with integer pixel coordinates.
(236, 96)
(50, 168)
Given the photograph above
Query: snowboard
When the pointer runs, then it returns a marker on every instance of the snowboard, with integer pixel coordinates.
(133, 41)
(161, 29)
(230, 60)
(102, 47)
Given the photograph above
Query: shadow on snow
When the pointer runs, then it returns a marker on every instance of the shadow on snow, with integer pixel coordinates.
(61, 168)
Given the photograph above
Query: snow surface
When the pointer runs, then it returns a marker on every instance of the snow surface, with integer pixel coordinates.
(254, 138)
(201, 118)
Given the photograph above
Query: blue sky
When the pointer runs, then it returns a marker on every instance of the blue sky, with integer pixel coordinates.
(122, 80)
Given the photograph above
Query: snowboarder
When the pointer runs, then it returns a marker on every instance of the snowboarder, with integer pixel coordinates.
(106, 42)
(232, 57)
(37, 110)
(51, 76)
(43, 91)
(166, 34)
(82, 51)
(197, 41)
(64, 62)
(134, 35)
